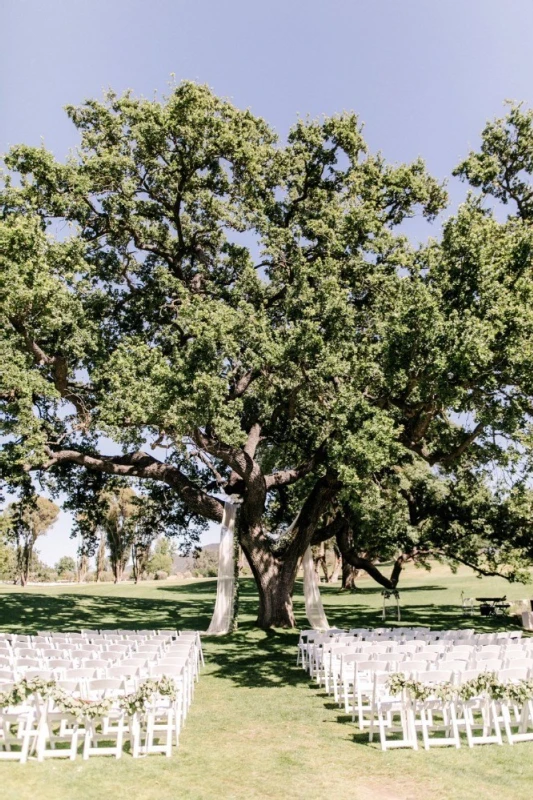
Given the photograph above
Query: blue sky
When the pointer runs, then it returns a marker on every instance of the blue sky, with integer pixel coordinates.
(423, 75)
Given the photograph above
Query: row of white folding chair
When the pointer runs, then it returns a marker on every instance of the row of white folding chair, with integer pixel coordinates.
(327, 659)
(378, 634)
(342, 661)
(319, 652)
(356, 682)
(86, 686)
(365, 701)
(306, 641)
(47, 716)
(311, 642)
(98, 651)
(110, 652)
(142, 659)
(430, 652)
(62, 668)
(78, 638)
(104, 640)
(391, 645)
(133, 673)
(71, 650)
(455, 715)
(330, 666)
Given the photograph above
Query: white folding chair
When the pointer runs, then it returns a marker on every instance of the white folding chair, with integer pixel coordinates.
(387, 707)
(57, 727)
(363, 683)
(110, 727)
(478, 713)
(17, 731)
(412, 668)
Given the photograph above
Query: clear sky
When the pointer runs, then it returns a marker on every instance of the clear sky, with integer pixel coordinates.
(424, 75)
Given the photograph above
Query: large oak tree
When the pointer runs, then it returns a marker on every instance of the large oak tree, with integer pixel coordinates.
(244, 314)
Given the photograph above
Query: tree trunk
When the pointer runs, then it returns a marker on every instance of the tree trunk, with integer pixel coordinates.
(26, 561)
(275, 600)
(83, 567)
(319, 560)
(337, 567)
(275, 565)
(100, 558)
(349, 575)
(274, 579)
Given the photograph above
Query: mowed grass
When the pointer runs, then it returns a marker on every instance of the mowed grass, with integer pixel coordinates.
(257, 727)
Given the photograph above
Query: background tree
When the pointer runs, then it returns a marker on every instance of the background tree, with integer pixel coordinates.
(101, 564)
(66, 567)
(8, 559)
(206, 563)
(162, 558)
(327, 559)
(26, 520)
(119, 509)
(302, 372)
(82, 567)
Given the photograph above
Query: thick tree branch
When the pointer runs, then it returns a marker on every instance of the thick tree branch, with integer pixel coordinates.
(143, 465)
(59, 370)
(349, 553)
(287, 476)
(314, 507)
(254, 436)
(241, 386)
(448, 458)
(328, 531)
(239, 460)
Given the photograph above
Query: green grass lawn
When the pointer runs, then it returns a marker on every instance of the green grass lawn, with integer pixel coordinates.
(257, 728)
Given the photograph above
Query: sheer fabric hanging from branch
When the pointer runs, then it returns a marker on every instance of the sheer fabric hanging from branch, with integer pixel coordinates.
(222, 620)
(313, 602)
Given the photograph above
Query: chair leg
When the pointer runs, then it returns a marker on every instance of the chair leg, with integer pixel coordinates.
(74, 743)
(382, 733)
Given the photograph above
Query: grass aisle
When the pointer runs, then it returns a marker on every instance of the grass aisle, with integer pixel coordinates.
(256, 729)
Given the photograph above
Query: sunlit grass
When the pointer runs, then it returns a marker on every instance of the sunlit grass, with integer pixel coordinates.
(257, 729)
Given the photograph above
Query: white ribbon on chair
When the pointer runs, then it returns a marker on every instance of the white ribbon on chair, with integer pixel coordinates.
(222, 619)
(313, 602)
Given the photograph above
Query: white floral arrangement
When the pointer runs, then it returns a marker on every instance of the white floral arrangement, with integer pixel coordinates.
(486, 684)
(82, 708)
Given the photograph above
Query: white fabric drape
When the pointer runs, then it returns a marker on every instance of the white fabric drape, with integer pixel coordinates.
(313, 602)
(222, 619)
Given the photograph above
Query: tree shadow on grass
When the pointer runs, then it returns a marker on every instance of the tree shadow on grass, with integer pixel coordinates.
(23, 612)
(248, 658)
(330, 590)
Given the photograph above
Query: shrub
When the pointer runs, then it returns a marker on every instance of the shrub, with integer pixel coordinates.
(44, 574)
(206, 564)
(161, 575)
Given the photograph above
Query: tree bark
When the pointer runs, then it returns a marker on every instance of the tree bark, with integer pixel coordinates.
(274, 578)
(337, 566)
(100, 557)
(275, 597)
(83, 566)
(349, 575)
(319, 559)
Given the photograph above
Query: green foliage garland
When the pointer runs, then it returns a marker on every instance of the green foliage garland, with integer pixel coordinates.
(485, 684)
(133, 703)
